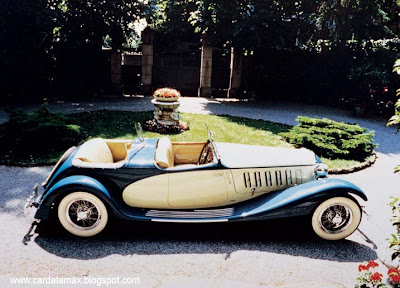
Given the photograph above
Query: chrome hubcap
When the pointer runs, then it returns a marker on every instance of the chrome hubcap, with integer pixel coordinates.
(83, 214)
(335, 218)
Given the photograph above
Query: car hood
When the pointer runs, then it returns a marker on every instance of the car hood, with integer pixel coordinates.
(246, 156)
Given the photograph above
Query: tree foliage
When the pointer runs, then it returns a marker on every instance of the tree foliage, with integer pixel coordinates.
(45, 43)
(88, 22)
(395, 119)
(25, 40)
(283, 24)
(170, 20)
(38, 39)
(342, 20)
(250, 24)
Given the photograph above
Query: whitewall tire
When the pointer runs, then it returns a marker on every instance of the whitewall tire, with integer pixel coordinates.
(82, 214)
(336, 218)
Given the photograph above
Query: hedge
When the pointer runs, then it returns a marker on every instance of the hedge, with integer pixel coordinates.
(331, 139)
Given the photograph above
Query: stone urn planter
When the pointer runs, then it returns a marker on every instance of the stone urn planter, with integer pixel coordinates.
(166, 113)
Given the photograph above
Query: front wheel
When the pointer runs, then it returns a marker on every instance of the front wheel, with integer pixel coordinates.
(82, 214)
(336, 218)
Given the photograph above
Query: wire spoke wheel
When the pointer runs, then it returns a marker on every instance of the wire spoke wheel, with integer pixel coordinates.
(336, 218)
(82, 214)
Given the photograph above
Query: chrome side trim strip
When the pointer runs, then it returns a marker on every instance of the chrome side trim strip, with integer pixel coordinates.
(214, 213)
(189, 221)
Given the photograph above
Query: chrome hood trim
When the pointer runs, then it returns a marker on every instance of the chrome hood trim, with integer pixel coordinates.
(248, 156)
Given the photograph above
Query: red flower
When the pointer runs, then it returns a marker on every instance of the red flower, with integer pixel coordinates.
(167, 93)
(362, 267)
(395, 279)
(393, 271)
(372, 264)
(376, 276)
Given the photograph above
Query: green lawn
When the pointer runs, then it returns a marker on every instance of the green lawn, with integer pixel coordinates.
(120, 124)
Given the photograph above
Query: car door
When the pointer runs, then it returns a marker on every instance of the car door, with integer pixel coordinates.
(197, 189)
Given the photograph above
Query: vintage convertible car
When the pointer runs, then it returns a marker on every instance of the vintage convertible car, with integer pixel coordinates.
(156, 180)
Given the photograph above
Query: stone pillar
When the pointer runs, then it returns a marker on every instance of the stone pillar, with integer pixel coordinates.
(147, 61)
(235, 80)
(205, 71)
(116, 68)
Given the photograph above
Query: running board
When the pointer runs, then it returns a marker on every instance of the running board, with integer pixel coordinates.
(189, 220)
(193, 214)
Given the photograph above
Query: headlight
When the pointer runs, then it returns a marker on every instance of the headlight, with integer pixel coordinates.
(321, 170)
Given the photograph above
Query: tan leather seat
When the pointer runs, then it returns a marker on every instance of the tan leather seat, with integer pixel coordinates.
(95, 151)
(164, 153)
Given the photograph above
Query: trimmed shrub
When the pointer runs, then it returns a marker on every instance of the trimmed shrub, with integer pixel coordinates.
(38, 132)
(331, 139)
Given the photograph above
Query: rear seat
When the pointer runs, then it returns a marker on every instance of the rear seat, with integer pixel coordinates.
(96, 153)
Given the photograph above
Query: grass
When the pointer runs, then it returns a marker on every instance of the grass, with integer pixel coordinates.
(230, 129)
(343, 163)
(340, 163)
(120, 124)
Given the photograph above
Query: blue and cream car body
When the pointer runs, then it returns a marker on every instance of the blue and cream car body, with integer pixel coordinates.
(156, 180)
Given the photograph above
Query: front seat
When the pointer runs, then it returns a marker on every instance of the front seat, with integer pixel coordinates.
(164, 153)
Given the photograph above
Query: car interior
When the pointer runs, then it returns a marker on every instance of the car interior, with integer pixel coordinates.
(102, 153)
(182, 154)
(106, 153)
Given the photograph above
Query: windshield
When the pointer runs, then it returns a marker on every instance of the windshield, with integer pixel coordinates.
(139, 132)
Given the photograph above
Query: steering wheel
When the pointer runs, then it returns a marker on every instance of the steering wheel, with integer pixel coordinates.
(204, 155)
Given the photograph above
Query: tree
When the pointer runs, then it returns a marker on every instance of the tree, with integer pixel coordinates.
(287, 24)
(248, 23)
(81, 30)
(170, 21)
(359, 20)
(25, 44)
(56, 44)
(395, 119)
(82, 23)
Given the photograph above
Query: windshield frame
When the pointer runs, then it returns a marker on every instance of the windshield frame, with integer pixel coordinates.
(139, 133)
(215, 149)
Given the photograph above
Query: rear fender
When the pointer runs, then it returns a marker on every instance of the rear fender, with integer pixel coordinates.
(71, 184)
(302, 199)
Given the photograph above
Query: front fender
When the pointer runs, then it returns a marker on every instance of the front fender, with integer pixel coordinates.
(67, 184)
(301, 199)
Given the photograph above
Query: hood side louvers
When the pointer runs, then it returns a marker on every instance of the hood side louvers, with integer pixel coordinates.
(272, 179)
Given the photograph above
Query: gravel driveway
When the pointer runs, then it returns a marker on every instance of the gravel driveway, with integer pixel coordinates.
(274, 254)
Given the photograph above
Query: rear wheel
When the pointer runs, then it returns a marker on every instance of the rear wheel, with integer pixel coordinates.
(82, 214)
(336, 218)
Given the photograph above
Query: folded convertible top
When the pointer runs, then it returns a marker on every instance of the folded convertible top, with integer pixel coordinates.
(248, 156)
